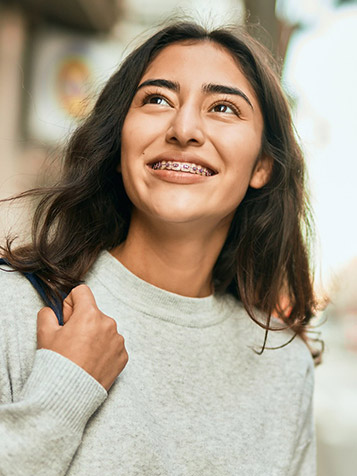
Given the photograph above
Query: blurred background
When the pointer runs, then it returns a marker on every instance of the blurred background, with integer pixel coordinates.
(55, 56)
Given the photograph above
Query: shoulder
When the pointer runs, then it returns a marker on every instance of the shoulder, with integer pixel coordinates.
(16, 290)
(285, 354)
(287, 361)
(19, 302)
(19, 305)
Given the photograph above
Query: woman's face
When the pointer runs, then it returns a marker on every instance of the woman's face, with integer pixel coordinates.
(191, 138)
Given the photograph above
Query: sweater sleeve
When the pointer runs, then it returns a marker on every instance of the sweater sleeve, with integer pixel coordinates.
(41, 431)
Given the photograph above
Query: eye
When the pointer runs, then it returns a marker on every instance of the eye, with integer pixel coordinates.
(224, 108)
(155, 99)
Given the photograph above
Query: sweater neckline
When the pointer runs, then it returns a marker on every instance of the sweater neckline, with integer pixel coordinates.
(156, 302)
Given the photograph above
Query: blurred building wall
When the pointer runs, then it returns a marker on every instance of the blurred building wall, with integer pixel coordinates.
(12, 44)
(40, 95)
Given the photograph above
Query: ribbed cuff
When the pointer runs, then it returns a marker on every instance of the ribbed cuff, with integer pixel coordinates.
(64, 389)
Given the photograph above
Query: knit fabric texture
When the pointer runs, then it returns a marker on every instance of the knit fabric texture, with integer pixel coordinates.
(194, 399)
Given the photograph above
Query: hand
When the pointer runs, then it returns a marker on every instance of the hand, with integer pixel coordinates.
(88, 337)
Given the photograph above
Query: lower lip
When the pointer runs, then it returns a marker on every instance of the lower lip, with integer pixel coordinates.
(179, 177)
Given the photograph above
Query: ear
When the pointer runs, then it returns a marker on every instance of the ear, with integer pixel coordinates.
(262, 172)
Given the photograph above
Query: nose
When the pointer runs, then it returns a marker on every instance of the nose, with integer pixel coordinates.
(186, 127)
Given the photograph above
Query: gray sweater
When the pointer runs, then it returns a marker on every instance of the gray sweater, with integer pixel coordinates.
(193, 400)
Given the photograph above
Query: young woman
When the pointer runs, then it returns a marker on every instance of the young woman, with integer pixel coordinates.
(182, 209)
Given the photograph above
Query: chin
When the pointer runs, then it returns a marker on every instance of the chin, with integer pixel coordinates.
(177, 215)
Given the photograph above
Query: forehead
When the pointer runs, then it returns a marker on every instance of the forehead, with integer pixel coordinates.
(199, 62)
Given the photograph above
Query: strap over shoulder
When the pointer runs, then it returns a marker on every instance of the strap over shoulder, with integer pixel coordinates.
(55, 305)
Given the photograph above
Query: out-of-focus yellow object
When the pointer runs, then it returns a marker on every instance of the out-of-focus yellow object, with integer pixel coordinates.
(70, 85)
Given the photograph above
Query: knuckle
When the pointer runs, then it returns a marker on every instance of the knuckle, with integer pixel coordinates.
(125, 358)
(42, 319)
(111, 323)
(42, 312)
(122, 359)
(82, 294)
(78, 290)
(80, 287)
(92, 311)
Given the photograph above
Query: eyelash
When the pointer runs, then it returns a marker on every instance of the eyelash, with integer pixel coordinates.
(222, 102)
(228, 103)
(148, 95)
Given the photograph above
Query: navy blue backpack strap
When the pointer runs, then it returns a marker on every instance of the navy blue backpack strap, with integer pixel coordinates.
(55, 305)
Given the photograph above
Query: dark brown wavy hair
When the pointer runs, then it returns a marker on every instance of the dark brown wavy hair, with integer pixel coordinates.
(264, 261)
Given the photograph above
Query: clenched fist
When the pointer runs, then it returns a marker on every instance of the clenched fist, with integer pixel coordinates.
(88, 337)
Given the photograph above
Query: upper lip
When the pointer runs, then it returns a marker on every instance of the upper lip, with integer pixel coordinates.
(182, 157)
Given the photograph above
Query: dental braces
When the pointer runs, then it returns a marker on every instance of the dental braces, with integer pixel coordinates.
(182, 167)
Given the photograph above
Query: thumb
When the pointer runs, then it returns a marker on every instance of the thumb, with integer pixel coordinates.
(67, 307)
(79, 299)
(47, 324)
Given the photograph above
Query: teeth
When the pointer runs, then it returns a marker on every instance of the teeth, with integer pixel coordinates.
(182, 167)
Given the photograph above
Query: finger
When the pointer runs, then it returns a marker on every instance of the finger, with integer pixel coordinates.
(46, 323)
(67, 308)
(47, 318)
(81, 297)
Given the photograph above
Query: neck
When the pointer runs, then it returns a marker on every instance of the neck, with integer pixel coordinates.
(178, 258)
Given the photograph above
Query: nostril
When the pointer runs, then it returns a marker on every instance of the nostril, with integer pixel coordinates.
(179, 140)
(185, 132)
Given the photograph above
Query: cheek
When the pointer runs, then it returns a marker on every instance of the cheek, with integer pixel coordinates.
(126, 162)
(127, 137)
(239, 152)
(131, 165)
(130, 148)
(141, 130)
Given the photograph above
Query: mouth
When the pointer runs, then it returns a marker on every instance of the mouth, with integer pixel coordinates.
(186, 167)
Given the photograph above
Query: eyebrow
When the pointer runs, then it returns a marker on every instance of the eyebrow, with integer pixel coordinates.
(221, 89)
(163, 83)
(209, 88)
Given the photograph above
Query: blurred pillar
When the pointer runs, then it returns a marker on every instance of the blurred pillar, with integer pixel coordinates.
(12, 39)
